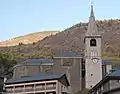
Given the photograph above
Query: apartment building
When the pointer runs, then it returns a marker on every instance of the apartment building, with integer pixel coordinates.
(38, 84)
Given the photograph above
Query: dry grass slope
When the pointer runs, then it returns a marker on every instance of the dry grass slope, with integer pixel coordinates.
(73, 39)
(27, 39)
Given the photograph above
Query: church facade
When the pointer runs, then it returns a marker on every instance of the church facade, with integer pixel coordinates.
(83, 71)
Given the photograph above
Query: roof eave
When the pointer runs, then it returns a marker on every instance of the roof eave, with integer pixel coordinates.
(30, 81)
(66, 57)
(99, 83)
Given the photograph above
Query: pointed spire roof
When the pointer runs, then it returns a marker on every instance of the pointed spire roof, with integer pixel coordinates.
(92, 27)
(92, 13)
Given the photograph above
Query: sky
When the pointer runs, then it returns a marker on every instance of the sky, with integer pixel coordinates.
(20, 17)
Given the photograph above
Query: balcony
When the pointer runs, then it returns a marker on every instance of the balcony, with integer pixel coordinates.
(64, 93)
(50, 88)
(42, 87)
(29, 90)
(9, 92)
(39, 89)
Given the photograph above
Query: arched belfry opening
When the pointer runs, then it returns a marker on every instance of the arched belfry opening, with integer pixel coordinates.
(93, 42)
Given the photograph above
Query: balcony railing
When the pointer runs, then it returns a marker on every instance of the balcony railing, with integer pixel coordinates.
(29, 90)
(9, 92)
(39, 89)
(47, 88)
(16, 91)
(50, 88)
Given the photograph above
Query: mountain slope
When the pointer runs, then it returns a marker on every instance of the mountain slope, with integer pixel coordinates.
(27, 39)
(72, 39)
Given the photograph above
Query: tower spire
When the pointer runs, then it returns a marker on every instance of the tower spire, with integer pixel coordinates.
(92, 12)
(92, 27)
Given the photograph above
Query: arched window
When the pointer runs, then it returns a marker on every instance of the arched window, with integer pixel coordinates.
(93, 42)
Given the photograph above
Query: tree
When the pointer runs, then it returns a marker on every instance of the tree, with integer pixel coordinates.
(20, 43)
(8, 62)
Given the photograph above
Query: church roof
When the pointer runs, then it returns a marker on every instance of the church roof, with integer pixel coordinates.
(115, 73)
(39, 61)
(106, 62)
(68, 54)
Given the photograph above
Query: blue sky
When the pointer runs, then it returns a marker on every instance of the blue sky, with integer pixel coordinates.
(20, 17)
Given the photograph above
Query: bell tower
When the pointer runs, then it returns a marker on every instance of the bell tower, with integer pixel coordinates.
(93, 61)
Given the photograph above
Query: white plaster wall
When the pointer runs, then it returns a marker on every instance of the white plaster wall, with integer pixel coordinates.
(96, 70)
(62, 88)
(116, 92)
(108, 68)
(97, 48)
(91, 68)
(114, 84)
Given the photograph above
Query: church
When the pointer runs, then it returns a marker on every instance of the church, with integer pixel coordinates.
(83, 71)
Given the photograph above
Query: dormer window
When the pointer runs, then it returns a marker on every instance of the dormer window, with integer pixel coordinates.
(93, 42)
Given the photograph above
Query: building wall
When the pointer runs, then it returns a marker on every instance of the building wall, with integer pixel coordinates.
(106, 86)
(93, 73)
(103, 71)
(47, 69)
(89, 49)
(108, 68)
(115, 92)
(95, 69)
(31, 70)
(37, 87)
(62, 88)
(19, 71)
(114, 84)
(73, 72)
(26, 70)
